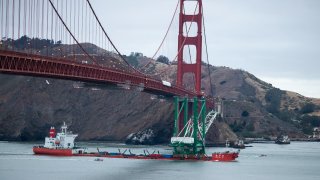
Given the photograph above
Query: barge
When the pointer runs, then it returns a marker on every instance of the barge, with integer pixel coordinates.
(62, 144)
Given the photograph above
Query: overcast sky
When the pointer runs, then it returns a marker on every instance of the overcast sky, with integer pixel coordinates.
(276, 40)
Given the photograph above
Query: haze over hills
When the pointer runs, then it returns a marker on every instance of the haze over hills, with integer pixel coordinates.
(251, 107)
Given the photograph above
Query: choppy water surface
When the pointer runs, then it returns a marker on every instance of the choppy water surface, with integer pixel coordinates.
(297, 161)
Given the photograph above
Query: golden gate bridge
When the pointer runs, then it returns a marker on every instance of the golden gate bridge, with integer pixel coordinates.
(60, 39)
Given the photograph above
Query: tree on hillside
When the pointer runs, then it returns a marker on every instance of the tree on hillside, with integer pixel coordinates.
(34, 43)
(273, 98)
(308, 108)
(245, 114)
(163, 59)
(133, 58)
(309, 122)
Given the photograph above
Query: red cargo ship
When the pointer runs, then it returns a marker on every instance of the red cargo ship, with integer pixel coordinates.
(60, 144)
(54, 152)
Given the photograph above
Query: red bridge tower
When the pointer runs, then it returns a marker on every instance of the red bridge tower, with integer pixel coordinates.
(183, 41)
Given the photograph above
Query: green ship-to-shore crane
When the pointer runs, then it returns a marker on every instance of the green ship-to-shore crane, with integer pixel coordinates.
(190, 127)
(191, 120)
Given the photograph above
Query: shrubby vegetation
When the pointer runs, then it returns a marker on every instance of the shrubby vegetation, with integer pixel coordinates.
(308, 108)
(309, 122)
(237, 127)
(26, 43)
(163, 59)
(245, 114)
(240, 127)
(273, 98)
(133, 58)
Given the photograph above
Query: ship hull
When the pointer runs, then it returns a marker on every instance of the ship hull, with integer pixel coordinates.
(52, 152)
(230, 157)
(224, 157)
(227, 156)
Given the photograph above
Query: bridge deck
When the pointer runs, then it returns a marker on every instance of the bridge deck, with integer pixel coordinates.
(42, 66)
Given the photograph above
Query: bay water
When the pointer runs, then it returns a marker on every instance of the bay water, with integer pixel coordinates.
(262, 161)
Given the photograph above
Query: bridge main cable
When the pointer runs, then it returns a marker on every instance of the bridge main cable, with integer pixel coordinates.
(74, 38)
(105, 33)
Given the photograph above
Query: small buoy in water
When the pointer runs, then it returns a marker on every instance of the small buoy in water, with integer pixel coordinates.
(98, 159)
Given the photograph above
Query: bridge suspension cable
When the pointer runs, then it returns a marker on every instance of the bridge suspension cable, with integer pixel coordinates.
(207, 54)
(105, 33)
(65, 28)
(187, 33)
(74, 38)
(165, 36)
(187, 29)
(168, 29)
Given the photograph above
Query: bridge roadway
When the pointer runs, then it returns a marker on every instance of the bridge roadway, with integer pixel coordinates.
(41, 66)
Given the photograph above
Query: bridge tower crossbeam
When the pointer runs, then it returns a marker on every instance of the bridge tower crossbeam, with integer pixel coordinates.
(188, 40)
